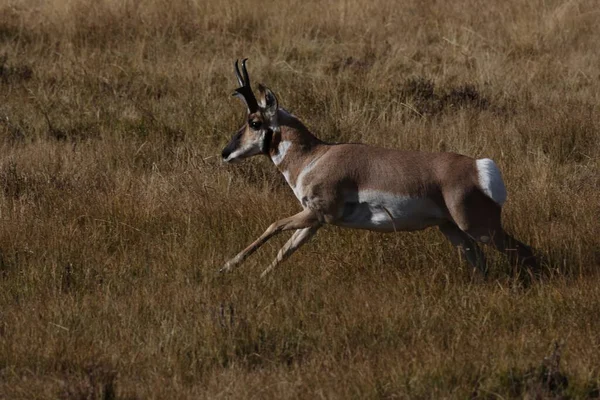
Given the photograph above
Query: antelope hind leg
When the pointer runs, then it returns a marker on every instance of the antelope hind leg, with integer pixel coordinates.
(467, 246)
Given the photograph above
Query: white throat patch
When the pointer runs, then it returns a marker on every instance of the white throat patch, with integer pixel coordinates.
(282, 150)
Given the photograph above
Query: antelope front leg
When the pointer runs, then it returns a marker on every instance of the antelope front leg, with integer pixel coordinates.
(304, 219)
(299, 237)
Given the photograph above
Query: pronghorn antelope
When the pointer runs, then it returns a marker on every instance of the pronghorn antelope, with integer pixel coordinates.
(366, 187)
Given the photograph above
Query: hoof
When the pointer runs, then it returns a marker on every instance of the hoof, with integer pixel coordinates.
(226, 268)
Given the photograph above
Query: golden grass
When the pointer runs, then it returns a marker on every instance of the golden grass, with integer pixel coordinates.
(115, 212)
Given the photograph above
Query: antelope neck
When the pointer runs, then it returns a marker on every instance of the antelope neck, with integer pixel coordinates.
(291, 149)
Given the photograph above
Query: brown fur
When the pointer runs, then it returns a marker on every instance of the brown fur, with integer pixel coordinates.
(339, 172)
(446, 178)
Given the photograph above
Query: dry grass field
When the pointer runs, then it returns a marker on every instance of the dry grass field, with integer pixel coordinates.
(116, 211)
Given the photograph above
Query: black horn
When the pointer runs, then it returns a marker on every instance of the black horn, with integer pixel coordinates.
(245, 72)
(245, 91)
(237, 73)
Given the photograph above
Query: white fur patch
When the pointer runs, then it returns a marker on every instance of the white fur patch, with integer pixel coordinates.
(244, 152)
(282, 150)
(388, 212)
(490, 180)
(299, 186)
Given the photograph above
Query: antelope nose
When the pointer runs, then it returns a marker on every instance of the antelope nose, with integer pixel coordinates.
(225, 153)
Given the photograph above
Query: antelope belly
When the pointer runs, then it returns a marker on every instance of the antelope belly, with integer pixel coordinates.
(387, 212)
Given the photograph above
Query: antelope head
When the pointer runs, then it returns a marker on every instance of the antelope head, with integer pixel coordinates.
(255, 136)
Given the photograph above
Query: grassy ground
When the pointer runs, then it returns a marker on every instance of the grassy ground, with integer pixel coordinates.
(115, 211)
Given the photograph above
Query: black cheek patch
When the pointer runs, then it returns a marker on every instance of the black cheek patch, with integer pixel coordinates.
(266, 144)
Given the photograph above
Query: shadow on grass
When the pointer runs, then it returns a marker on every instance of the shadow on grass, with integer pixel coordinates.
(545, 381)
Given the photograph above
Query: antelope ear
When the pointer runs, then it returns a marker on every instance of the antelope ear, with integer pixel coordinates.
(267, 101)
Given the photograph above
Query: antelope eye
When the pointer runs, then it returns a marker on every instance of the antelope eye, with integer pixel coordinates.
(255, 125)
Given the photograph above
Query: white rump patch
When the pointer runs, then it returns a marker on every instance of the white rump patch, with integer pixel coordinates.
(490, 180)
(282, 150)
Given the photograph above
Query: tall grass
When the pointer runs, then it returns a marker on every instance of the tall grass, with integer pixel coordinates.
(116, 213)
